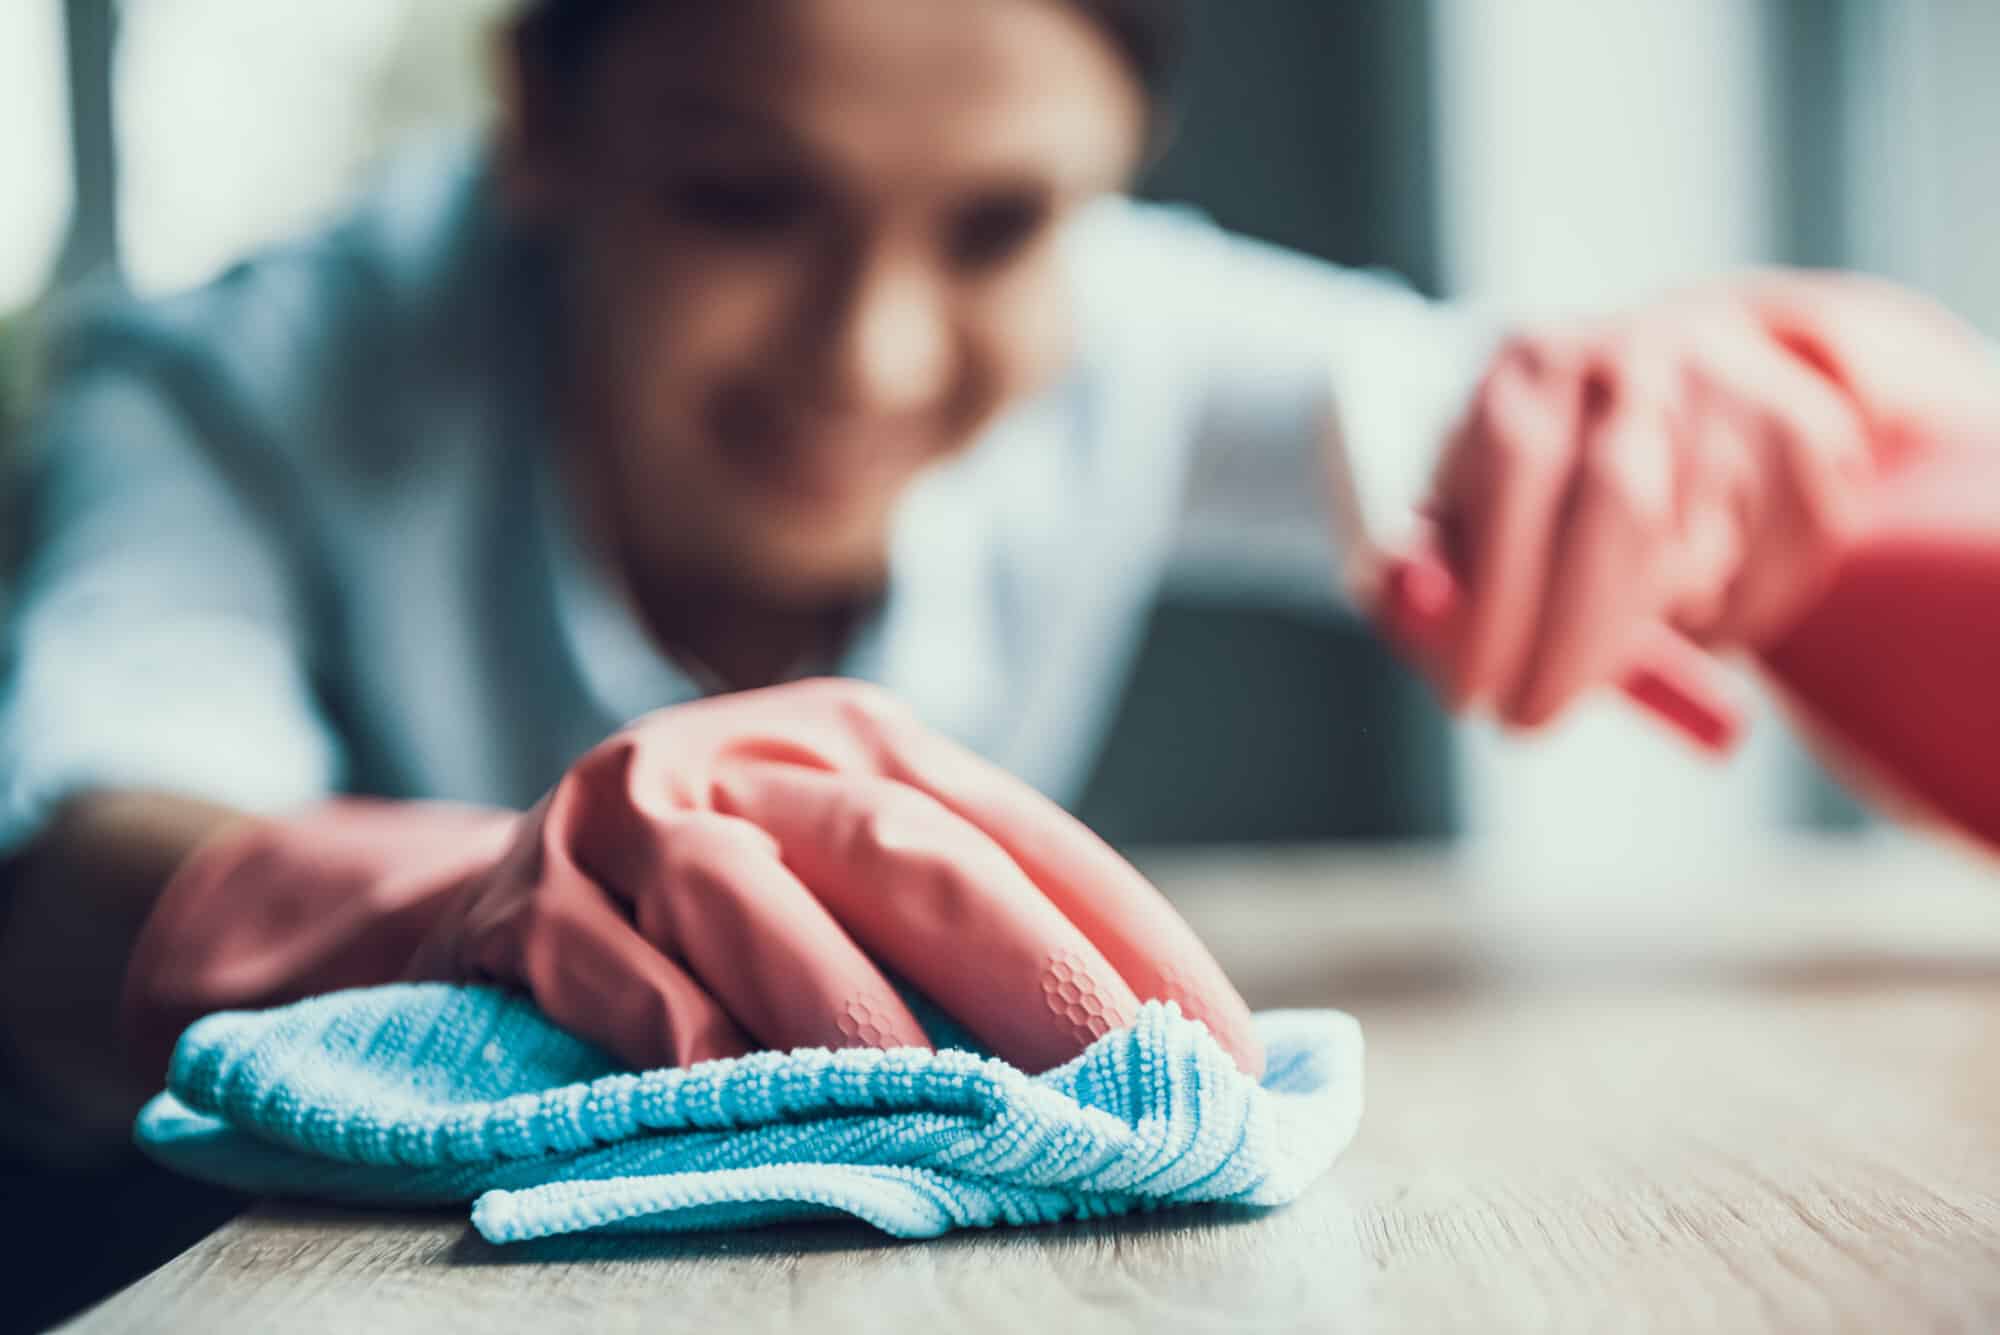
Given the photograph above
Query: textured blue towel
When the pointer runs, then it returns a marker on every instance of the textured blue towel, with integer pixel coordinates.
(427, 1093)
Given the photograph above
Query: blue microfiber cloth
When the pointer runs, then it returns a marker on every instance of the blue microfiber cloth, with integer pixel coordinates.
(428, 1093)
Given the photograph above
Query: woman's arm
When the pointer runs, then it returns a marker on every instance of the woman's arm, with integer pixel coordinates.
(71, 905)
(156, 682)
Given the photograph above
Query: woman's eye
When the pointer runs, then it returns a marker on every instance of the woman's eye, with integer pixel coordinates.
(990, 234)
(746, 209)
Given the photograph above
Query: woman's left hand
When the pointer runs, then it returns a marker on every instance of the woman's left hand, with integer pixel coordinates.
(1697, 465)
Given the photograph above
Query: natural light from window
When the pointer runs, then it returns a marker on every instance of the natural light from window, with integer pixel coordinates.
(34, 147)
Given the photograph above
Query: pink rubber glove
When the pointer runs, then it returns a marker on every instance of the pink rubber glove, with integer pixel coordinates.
(1699, 469)
(717, 876)
(1895, 670)
(1880, 619)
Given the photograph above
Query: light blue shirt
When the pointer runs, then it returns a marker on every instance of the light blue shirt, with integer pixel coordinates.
(297, 532)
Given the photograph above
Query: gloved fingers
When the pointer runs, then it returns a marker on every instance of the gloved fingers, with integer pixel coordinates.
(1708, 557)
(940, 903)
(711, 892)
(593, 974)
(855, 728)
(1921, 374)
(1120, 913)
(1501, 493)
(1602, 582)
(823, 723)
(1420, 606)
(1814, 472)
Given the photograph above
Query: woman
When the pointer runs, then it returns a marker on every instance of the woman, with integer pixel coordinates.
(773, 340)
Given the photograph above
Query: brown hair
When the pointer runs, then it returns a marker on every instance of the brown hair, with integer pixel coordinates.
(564, 35)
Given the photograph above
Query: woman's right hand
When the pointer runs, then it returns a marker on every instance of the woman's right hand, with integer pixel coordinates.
(719, 876)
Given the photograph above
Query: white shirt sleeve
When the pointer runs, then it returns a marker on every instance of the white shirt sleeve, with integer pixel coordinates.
(158, 635)
(1266, 334)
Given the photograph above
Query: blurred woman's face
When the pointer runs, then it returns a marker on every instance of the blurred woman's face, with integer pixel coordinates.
(811, 249)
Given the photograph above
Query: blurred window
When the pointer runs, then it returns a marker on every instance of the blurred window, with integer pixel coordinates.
(34, 147)
(1919, 140)
(241, 121)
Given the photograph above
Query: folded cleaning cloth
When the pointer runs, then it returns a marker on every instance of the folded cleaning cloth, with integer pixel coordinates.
(427, 1093)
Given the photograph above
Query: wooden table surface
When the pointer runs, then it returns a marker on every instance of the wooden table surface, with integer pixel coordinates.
(1759, 1095)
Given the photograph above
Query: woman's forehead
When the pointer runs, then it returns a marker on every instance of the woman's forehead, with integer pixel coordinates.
(888, 87)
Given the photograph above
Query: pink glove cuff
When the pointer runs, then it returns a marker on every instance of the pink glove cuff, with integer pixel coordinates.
(270, 911)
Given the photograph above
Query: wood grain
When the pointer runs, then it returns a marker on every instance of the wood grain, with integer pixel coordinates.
(1768, 1103)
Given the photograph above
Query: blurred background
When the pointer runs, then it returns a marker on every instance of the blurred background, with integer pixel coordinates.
(1544, 154)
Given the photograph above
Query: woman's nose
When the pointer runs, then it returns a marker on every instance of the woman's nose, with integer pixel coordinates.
(890, 346)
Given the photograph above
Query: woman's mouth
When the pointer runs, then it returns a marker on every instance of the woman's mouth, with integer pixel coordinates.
(821, 462)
